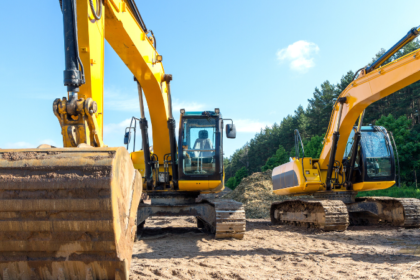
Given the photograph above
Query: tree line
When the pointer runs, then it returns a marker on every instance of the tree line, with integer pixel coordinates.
(272, 146)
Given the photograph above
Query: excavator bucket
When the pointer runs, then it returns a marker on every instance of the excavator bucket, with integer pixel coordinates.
(67, 213)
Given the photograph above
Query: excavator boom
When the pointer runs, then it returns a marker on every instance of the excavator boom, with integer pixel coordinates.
(367, 89)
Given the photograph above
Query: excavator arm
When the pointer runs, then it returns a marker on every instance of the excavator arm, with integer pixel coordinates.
(121, 25)
(371, 85)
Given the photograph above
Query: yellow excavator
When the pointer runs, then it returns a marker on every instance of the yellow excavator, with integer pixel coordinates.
(353, 159)
(73, 212)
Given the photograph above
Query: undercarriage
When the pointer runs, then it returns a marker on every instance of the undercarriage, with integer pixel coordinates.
(336, 211)
(224, 218)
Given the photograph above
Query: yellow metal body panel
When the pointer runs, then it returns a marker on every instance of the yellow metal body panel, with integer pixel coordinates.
(370, 186)
(199, 185)
(91, 49)
(134, 48)
(138, 161)
(311, 184)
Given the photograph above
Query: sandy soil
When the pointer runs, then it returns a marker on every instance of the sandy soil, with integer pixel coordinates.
(172, 248)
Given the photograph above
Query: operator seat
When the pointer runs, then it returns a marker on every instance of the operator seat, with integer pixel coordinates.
(203, 143)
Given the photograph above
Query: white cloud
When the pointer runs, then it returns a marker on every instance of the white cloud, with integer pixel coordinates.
(249, 125)
(299, 55)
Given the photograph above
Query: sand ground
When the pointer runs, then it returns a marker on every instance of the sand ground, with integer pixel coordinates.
(173, 248)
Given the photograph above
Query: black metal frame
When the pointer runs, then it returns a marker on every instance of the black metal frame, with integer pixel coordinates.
(391, 150)
(129, 129)
(218, 174)
(363, 166)
(335, 138)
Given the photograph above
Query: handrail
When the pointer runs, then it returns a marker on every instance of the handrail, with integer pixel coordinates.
(297, 139)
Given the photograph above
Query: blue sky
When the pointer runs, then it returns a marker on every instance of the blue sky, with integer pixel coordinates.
(255, 60)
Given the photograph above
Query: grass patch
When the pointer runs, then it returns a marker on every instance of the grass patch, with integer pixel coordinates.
(404, 191)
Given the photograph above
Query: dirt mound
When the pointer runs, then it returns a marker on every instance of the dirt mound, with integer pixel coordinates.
(255, 192)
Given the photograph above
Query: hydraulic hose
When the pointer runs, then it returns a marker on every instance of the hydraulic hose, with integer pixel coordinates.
(140, 20)
(99, 7)
(357, 72)
(74, 70)
(410, 36)
(76, 39)
(137, 15)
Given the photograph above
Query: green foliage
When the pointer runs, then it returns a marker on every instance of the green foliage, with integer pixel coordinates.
(279, 158)
(240, 174)
(233, 182)
(407, 139)
(230, 183)
(314, 146)
(394, 192)
(262, 152)
(403, 102)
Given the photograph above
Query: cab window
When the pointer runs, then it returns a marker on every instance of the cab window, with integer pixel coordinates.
(199, 146)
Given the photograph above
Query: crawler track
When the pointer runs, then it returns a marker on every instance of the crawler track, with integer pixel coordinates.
(230, 218)
(404, 212)
(328, 215)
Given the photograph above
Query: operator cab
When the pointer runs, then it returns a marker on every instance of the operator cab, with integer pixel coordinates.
(375, 155)
(200, 147)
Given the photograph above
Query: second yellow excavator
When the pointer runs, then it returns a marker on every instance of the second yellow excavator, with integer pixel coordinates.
(73, 212)
(353, 159)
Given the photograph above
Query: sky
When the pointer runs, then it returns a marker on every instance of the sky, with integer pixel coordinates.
(255, 60)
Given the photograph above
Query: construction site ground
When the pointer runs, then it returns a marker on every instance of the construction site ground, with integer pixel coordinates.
(173, 247)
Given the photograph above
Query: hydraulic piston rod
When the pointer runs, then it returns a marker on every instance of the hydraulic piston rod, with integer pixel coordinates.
(145, 140)
(410, 36)
(73, 77)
